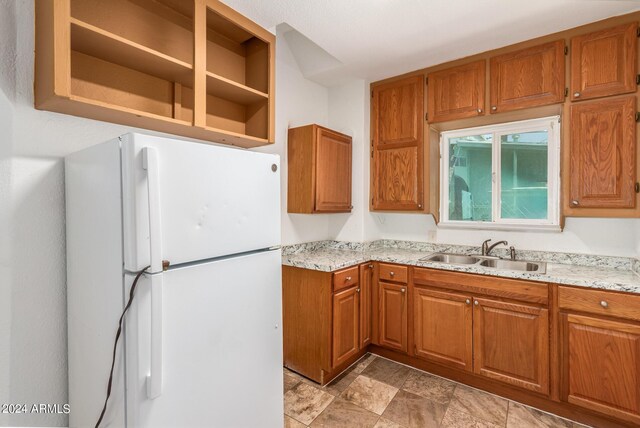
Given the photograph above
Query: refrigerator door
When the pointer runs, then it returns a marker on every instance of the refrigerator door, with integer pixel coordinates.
(191, 201)
(221, 346)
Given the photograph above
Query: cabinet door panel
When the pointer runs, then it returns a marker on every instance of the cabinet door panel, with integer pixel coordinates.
(603, 154)
(366, 280)
(603, 63)
(456, 93)
(397, 134)
(528, 78)
(601, 365)
(333, 172)
(511, 344)
(443, 328)
(346, 325)
(393, 316)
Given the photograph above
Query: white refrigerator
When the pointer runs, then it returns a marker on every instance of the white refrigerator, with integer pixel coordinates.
(202, 341)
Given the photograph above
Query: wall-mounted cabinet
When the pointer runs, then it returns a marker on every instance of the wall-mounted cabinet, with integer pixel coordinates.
(527, 78)
(457, 92)
(319, 177)
(397, 130)
(193, 68)
(604, 62)
(603, 154)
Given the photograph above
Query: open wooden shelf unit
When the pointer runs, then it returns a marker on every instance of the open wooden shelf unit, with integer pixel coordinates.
(195, 68)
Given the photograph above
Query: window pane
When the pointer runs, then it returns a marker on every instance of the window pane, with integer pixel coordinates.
(470, 178)
(524, 175)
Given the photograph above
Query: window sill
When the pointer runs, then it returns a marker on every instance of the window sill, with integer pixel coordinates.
(501, 226)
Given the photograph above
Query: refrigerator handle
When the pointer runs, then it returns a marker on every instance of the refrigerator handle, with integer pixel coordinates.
(150, 163)
(154, 379)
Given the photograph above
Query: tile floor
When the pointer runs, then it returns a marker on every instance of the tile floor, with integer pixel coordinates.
(379, 393)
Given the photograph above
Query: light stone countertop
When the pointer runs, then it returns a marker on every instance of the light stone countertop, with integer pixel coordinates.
(598, 274)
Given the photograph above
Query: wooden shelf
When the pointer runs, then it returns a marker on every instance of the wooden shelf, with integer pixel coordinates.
(91, 40)
(233, 137)
(233, 91)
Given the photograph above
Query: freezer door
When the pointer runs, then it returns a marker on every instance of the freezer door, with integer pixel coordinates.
(221, 346)
(192, 201)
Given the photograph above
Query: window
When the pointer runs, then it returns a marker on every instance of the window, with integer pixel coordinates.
(504, 176)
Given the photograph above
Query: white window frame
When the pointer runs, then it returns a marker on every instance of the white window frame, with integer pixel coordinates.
(552, 222)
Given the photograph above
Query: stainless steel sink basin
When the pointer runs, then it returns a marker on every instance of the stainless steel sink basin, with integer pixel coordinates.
(457, 259)
(488, 262)
(514, 265)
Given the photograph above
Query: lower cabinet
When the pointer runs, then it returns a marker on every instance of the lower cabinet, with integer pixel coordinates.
(600, 365)
(393, 315)
(443, 327)
(346, 325)
(511, 343)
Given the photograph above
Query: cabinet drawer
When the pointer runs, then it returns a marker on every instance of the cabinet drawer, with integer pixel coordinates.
(345, 278)
(393, 273)
(621, 305)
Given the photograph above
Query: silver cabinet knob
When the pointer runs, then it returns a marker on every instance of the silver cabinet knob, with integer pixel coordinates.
(468, 301)
(575, 203)
(494, 108)
(576, 94)
(358, 290)
(419, 205)
(479, 110)
(347, 279)
(392, 273)
(604, 304)
(371, 266)
(475, 302)
(404, 289)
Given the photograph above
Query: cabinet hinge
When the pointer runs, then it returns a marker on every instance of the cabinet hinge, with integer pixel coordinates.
(426, 116)
(637, 187)
(566, 92)
(371, 94)
(638, 32)
(426, 80)
(371, 201)
(566, 50)
(637, 117)
(638, 79)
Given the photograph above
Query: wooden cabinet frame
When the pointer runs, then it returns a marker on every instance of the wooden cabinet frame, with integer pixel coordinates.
(152, 89)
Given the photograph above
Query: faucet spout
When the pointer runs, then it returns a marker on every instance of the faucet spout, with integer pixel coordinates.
(486, 248)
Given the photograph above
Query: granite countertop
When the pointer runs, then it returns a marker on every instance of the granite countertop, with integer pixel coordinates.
(603, 272)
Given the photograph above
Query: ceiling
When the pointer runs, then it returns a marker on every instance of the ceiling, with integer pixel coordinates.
(374, 39)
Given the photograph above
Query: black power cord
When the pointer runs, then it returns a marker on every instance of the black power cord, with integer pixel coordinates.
(115, 343)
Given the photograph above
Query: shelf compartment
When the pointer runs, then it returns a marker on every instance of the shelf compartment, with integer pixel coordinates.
(243, 119)
(236, 55)
(228, 89)
(93, 41)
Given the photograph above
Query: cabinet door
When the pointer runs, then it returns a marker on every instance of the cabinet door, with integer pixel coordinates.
(603, 154)
(511, 343)
(333, 171)
(393, 316)
(397, 133)
(443, 328)
(604, 63)
(601, 365)
(456, 93)
(366, 287)
(346, 325)
(528, 78)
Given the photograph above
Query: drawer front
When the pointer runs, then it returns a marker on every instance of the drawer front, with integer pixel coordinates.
(345, 278)
(395, 273)
(608, 303)
(476, 284)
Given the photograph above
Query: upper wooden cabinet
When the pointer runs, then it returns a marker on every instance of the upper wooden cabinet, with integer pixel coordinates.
(457, 92)
(604, 63)
(603, 154)
(397, 131)
(319, 162)
(528, 78)
(192, 68)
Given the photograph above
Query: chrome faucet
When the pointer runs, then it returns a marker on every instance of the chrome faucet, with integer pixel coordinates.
(486, 248)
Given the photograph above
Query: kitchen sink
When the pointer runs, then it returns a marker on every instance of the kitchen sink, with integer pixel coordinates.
(488, 262)
(514, 265)
(456, 259)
